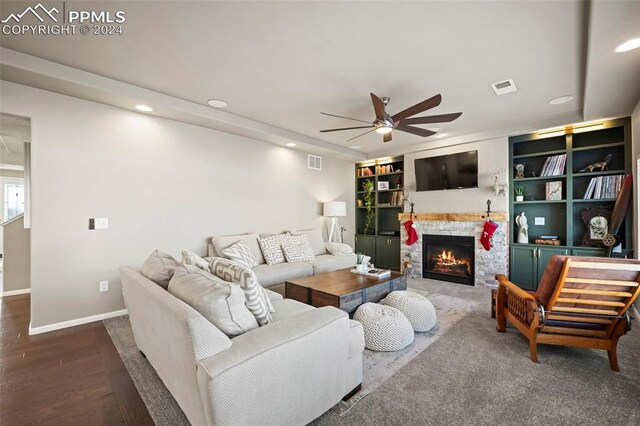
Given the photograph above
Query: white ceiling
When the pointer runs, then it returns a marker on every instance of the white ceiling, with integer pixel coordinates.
(281, 63)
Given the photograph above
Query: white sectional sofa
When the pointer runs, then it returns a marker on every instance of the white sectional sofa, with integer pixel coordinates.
(273, 275)
(287, 372)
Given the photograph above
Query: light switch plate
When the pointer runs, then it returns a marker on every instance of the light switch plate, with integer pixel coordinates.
(536, 221)
(104, 286)
(101, 223)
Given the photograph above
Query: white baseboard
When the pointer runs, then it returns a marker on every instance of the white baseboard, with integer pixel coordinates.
(15, 292)
(74, 322)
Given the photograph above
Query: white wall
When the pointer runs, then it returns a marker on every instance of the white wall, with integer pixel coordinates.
(635, 128)
(493, 154)
(162, 184)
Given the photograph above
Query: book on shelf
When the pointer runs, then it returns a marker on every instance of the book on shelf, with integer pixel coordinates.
(602, 187)
(396, 198)
(554, 165)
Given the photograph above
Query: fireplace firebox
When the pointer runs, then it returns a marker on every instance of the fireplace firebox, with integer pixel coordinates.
(448, 258)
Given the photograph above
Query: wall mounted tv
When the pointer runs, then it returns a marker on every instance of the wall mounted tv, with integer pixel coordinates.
(455, 171)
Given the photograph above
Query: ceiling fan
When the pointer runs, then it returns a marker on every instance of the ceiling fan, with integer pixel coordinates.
(385, 123)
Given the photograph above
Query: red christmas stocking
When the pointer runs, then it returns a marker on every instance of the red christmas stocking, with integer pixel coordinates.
(412, 235)
(487, 233)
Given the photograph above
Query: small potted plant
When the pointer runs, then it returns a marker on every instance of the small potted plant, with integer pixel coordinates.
(360, 266)
(519, 191)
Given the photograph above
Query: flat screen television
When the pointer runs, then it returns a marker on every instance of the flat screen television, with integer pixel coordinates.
(455, 171)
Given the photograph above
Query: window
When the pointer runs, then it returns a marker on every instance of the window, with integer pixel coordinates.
(13, 200)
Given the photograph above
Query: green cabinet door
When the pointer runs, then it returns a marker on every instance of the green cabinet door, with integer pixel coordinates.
(394, 254)
(382, 253)
(588, 251)
(544, 255)
(524, 267)
(366, 244)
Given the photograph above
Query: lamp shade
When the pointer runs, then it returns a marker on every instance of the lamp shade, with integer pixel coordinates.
(334, 209)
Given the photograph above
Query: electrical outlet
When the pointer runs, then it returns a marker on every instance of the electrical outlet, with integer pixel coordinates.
(538, 221)
(104, 286)
(102, 223)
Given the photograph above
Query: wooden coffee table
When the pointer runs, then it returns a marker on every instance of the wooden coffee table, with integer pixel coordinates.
(343, 289)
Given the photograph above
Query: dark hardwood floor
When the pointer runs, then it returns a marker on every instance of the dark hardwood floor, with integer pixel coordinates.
(67, 377)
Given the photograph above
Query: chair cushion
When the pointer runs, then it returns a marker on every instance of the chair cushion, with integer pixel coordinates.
(222, 242)
(329, 262)
(159, 267)
(220, 302)
(256, 300)
(314, 236)
(270, 275)
(240, 253)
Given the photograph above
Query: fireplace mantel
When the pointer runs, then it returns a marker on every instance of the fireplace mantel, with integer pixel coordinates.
(456, 217)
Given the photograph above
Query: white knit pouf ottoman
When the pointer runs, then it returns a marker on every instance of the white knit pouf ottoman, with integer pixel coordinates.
(385, 328)
(417, 308)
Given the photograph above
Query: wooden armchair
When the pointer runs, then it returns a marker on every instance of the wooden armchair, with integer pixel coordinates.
(580, 301)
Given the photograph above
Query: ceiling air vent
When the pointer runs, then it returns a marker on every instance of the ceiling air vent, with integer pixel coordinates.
(504, 87)
(315, 162)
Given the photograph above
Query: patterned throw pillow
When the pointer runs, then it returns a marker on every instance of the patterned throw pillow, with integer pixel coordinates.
(271, 247)
(190, 258)
(256, 299)
(297, 249)
(241, 253)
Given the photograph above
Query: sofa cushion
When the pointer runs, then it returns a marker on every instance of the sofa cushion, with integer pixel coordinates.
(159, 267)
(271, 247)
(240, 253)
(297, 249)
(287, 308)
(256, 300)
(338, 249)
(315, 240)
(222, 242)
(270, 275)
(356, 338)
(272, 295)
(190, 258)
(220, 302)
(329, 262)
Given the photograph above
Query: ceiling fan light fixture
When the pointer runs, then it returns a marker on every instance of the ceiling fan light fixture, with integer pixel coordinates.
(628, 45)
(217, 103)
(383, 130)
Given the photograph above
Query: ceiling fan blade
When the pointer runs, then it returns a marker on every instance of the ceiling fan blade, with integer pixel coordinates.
(348, 118)
(418, 108)
(346, 128)
(415, 130)
(378, 106)
(442, 118)
(387, 137)
(362, 134)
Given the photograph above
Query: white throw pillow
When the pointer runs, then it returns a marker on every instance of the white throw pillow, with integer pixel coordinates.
(338, 249)
(271, 246)
(241, 253)
(297, 249)
(256, 299)
(220, 302)
(190, 258)
(315, 240)
(159, 267)
(221, 242)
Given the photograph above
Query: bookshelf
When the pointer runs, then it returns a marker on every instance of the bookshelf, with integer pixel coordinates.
(382, 239)
(563, 217)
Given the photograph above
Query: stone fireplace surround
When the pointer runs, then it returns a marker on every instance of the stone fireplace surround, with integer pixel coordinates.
(487, 263)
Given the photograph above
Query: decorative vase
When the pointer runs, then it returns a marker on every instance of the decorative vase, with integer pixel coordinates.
(519, 197)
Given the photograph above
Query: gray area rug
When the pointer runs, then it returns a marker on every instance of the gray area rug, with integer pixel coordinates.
(378, 367)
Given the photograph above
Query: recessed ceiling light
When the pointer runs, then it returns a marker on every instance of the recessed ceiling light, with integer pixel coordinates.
(560, 100)
(433, 129)
(143, 108)
(291, 144)
(628, 45)
(355, 147)
(217, 103)
(441, 135)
